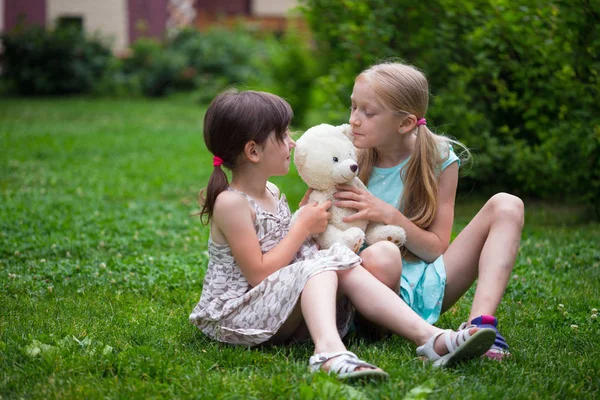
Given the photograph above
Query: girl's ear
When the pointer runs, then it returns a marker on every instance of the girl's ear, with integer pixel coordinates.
(408, 124)
(251, 151)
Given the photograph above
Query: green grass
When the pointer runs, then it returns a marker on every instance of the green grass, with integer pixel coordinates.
(101, 264)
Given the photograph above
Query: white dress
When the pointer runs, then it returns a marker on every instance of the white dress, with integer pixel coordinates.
(232, 311)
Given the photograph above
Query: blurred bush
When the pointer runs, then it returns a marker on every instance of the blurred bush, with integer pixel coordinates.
(292, 70)
(516, 81)
(228, 54)
(38, 62)
(60, 61)
(156, 67)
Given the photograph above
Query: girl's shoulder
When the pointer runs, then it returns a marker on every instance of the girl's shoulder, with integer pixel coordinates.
(449, 157)
(229, 200)
(446, 152)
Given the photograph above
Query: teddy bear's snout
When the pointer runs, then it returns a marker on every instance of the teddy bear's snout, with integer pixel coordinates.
(353, 167)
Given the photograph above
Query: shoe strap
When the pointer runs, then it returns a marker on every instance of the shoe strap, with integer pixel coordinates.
(461, 337)
(428, 349)
(316, 361)
(344, 364)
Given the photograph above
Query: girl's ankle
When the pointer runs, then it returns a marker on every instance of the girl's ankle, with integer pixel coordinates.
(329, 347)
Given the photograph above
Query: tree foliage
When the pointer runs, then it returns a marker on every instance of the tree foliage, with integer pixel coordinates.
(516, 81)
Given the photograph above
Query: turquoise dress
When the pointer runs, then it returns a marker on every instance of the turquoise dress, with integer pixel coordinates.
(422, 284)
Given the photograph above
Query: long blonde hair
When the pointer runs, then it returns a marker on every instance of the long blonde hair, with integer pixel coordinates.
(403, 90)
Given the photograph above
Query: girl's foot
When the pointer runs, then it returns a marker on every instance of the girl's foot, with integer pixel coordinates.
(499, 349)
(345, 365)
(447, 348)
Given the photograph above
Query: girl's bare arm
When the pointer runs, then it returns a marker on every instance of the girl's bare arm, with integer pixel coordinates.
(234, 219)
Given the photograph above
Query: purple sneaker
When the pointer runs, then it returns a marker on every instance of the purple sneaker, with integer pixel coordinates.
(499, 349)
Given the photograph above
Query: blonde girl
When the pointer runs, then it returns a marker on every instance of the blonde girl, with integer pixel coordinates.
(412, 176)
(267, 281)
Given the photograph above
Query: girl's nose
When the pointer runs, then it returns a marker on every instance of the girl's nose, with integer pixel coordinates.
(292, 143)
(353, 120)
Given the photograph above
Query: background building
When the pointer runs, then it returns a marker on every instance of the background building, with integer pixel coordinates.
(124, 21)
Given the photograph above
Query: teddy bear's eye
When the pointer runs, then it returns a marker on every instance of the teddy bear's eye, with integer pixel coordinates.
(335, 159)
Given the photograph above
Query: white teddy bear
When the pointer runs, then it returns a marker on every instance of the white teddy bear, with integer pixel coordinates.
(325, 157)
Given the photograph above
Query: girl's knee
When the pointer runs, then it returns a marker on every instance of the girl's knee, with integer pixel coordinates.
(381, 256)
(508, 207)
(383, 260)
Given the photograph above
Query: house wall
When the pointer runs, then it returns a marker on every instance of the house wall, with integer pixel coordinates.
(147, 18)
(269, 15)
(1, 15)
(30, 12)
(272, 8)
(107, 17)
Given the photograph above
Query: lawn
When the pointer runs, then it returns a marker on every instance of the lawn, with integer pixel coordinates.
(101, 264)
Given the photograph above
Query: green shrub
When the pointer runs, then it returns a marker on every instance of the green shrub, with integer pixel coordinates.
(515, 81)
(155, 67)
(208, 62)
(223, 57)
(293, 69)
(231, 55)
(62, 61)
(115, 82)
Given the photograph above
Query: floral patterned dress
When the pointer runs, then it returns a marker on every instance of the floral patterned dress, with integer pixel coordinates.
(232, 311)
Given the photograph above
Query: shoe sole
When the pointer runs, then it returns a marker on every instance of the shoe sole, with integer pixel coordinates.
(363, 375)
(477, 345)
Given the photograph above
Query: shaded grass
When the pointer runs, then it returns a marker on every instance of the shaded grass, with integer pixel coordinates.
(101, 263)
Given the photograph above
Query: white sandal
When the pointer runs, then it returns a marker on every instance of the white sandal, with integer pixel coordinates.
(463, 347)
(344, 365)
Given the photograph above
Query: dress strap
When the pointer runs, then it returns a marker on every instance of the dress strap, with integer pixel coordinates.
(250, 199)
(270, 188)
(257, 208)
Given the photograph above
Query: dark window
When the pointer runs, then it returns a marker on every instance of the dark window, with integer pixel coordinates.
(71, 22)
(223, 6)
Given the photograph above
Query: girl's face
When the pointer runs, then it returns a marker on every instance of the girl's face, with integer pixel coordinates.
(372, 124)
(276, 154)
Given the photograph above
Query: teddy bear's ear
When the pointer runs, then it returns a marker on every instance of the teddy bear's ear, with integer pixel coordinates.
(299, 157)
(346, 129)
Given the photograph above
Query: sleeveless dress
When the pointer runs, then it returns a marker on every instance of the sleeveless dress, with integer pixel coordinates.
(422, 284)
(232, 311)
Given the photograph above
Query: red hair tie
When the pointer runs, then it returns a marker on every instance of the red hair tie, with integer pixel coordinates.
(217, 161)
(422, 121)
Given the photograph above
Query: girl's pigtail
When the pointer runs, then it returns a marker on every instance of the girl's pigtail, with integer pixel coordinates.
(419, 201)
(216, 184)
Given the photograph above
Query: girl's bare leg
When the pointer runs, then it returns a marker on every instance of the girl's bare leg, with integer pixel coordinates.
(382, 306)
(318, 304)
(486, 249)
(371, 297)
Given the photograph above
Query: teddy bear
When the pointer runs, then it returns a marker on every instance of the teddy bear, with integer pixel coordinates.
(325, 157)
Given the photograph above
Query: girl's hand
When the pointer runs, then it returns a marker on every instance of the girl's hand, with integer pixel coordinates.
(368, 206)
(314, 217)
(304, 200)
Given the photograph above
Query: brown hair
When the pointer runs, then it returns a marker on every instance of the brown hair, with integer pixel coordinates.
(232, 120)
(403, 90)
